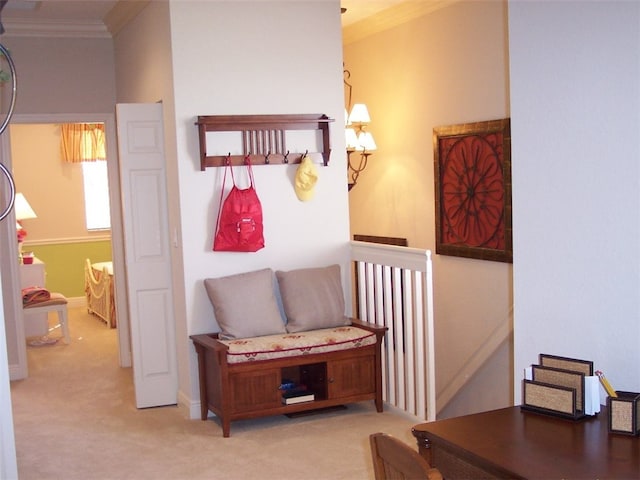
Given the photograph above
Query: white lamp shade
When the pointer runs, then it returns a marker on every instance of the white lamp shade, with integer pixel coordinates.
(23, 209)
(359, 114)
(351, 139)
(365, 139)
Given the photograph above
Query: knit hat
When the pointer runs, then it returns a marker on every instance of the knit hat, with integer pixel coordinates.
(306, 178)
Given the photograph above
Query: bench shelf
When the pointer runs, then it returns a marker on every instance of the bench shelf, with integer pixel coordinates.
(252, 389)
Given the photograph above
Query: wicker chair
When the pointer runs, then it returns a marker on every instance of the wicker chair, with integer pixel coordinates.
(394, 460)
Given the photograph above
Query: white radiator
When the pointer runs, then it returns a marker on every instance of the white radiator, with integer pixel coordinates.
(395, 288)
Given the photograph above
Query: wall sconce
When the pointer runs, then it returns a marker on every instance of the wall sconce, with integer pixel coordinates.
(359, 141)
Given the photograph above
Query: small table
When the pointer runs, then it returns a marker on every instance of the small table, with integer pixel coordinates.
(510, 443)
(34, 275)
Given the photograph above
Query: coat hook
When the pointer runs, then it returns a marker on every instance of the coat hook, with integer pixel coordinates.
(247, 158)
(266, 159)
(228, 159)
(286, 157)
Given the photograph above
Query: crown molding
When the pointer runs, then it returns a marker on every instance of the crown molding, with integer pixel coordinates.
(122, 13)
(391, 17)
(25, 28)
(109, 26)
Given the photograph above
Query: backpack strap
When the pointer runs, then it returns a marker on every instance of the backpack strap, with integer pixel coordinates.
(247, 162)
(230, 167)
(224, 182)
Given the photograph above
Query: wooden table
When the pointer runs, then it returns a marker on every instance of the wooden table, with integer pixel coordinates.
(510, 443)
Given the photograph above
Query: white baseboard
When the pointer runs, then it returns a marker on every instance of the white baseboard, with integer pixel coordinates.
(17, 372)
(76, 302)
(191, 408)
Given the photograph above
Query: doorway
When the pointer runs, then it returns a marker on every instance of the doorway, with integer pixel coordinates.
(124, 350)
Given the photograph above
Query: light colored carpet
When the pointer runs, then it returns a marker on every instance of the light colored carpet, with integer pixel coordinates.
(75, 418)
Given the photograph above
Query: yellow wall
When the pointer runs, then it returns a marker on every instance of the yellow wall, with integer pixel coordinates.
(64, 264)
(53, 188)
(448, 67)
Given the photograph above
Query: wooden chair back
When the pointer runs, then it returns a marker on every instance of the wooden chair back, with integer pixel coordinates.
(394, 460)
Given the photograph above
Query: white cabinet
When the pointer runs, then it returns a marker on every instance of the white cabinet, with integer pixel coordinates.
(33, 275)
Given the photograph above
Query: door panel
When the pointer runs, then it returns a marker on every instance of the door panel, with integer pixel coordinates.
(351, 376)
(255, 390)
(147, 257)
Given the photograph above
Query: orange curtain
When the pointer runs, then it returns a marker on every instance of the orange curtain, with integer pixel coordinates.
(82, 142)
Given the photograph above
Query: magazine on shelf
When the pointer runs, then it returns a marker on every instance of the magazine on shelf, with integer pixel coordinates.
(293, 392)
(297, 397)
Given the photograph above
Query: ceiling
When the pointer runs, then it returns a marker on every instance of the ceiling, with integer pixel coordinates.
(360, 9)
(95, 14)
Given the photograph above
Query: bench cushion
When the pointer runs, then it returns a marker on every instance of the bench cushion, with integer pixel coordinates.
(312, 298)
(295, 344)
(245, 304)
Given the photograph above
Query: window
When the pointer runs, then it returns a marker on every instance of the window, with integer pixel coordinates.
(96, 195)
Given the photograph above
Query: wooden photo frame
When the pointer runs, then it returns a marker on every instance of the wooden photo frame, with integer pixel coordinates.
(473, 190)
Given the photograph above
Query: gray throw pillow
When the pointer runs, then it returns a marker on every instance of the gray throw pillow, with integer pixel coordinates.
(245, 304)
(312, 298)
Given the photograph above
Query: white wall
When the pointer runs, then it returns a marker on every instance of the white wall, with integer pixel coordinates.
(575, 103)
(62, 75)
(240, 58)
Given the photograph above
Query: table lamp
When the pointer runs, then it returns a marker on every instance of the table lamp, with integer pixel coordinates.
(23, 212)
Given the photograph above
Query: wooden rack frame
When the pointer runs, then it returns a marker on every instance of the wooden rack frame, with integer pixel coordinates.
(263, 137)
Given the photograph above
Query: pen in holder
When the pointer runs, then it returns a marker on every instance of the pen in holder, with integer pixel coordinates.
(605, 384)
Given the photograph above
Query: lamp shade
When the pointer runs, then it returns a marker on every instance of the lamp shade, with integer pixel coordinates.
(23, 209)
(365, 139)
(359, 114)
(351, 139)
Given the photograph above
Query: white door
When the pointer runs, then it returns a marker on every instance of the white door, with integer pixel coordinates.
(147, 254)
(8, 459)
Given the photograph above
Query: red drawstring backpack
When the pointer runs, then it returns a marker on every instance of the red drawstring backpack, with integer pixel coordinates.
(239, 225)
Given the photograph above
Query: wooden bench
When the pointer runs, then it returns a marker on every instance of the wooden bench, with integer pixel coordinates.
(239, 380)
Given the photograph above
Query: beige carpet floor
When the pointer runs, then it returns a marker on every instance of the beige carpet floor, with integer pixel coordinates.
(75, 418)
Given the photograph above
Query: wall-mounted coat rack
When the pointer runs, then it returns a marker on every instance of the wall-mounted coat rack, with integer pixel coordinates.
(263, 138)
